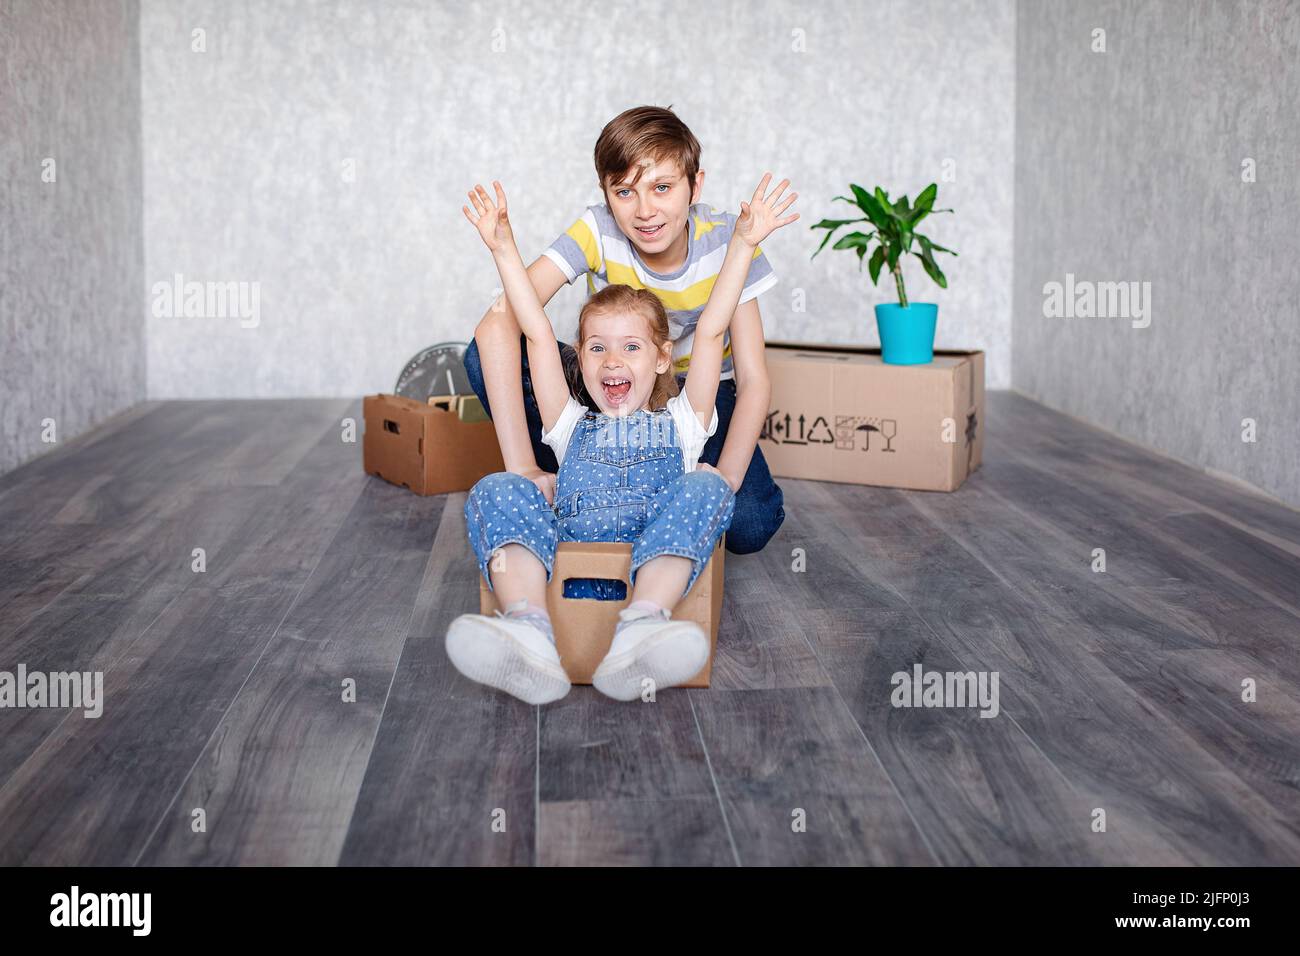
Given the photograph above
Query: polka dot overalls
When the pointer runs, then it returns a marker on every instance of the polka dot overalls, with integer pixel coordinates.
(621, 480)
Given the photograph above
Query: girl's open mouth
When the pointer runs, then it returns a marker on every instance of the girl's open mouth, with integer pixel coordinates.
(616, 390)
(651, 232)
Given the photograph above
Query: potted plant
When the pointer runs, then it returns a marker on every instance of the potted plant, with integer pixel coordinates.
(906, 329)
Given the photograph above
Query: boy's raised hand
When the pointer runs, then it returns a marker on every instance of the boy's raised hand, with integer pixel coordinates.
(761, 216)
(490, 218)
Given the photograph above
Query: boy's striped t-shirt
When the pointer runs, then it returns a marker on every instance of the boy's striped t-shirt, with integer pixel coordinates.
(596, 247)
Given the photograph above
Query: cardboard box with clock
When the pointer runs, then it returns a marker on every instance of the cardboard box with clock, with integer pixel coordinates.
(432, 435)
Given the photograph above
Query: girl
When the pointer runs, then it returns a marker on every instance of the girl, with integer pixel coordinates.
(628, 472)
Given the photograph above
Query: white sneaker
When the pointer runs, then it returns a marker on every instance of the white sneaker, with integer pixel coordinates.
(650, 647)
(513, 652)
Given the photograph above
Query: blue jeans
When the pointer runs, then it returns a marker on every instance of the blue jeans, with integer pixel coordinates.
(686, 518)
(760, 503)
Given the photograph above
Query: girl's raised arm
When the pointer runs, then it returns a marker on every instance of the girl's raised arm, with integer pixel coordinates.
(757, 220)
(550, 387)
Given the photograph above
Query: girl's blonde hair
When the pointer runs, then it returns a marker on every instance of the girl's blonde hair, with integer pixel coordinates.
(624, 299)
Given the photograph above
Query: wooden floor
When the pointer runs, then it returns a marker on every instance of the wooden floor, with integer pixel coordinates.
(225, 740)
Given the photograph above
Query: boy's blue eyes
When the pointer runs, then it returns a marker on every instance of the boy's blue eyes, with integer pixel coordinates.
(620, 192)
(601, 348)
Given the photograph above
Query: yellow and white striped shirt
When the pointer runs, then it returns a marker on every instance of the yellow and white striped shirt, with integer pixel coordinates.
(596, 247)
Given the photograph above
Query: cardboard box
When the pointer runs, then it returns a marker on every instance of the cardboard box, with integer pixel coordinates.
(841, 414)
(584, 628)
(430, 448)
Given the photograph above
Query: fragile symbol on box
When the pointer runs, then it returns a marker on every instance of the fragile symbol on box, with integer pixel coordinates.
(848, 427)
(779, 429)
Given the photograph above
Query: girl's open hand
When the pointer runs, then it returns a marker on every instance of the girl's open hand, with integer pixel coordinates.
(490, 218)
(761, 216)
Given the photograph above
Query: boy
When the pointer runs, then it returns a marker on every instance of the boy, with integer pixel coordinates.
(651, 233)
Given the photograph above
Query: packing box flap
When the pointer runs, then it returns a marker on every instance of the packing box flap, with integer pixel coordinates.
(427, 448)
(869, 355)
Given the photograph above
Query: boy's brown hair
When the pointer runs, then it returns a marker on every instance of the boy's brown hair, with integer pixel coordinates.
(645, 131)
(624, 298)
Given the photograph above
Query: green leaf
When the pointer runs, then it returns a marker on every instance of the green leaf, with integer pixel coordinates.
(831, 225)
(927, 261)
(859, 195)
(934, 246)
(924, 202)
(932, 270)
(925, 199)
(854, 240)
(857, 201)
(836, 223)
(882, 217)
(882, 197)
(877, 260)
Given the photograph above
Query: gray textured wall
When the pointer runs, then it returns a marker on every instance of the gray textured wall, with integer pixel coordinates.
(71, 253)
(1129, 168)
(246, 145)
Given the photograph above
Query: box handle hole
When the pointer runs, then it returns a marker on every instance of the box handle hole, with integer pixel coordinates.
(595, 589)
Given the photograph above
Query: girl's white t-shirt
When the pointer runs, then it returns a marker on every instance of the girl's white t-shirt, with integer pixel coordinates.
(691, 435)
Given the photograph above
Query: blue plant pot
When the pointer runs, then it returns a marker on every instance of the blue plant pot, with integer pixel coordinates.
(907, 335)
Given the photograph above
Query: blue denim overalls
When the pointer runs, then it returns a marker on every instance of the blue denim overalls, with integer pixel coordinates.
(621, 480)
